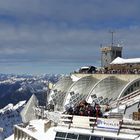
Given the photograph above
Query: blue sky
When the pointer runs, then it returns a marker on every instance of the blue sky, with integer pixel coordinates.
(59, 36)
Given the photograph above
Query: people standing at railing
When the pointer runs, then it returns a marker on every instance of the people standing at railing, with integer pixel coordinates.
(107, 107)
(98, 111)
(70, 111)
(113, 71)
(85, 109)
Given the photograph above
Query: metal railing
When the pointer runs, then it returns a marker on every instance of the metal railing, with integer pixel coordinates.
(103, 124)
(126, 98)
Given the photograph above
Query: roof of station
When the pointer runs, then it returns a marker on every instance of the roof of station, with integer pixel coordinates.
(80, 90)
(58, 92)
(119, 60)
(63, 84)
(107, 88)
(68, 92)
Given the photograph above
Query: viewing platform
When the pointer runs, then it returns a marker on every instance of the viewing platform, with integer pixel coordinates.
(81, 126)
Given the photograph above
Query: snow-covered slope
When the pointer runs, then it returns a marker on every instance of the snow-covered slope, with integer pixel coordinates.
(9, 116)
(16, 88)
(10, 137)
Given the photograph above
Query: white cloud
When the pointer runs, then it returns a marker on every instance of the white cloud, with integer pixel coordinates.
(69, 44)
(66, 30)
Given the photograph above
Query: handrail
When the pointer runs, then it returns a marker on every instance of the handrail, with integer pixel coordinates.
(104, 124)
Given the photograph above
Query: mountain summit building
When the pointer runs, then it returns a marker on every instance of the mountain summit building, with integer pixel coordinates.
(108, 54)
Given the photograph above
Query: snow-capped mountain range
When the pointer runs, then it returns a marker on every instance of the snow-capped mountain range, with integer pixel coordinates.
(15, 88)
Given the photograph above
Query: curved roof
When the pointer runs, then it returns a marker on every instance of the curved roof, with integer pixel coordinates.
(58, 92)
(130, 87)
(79, 90)
(107, 88)
(63, 84)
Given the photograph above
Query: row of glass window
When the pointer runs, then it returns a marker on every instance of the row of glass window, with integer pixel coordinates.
(72, 136)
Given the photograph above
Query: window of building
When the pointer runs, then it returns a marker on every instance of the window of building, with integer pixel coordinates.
(61, 134)
(72, 136)
(131, 88)
(109, 139)
(83, 137)
(118, 54)
(95, 138)
(137, 84)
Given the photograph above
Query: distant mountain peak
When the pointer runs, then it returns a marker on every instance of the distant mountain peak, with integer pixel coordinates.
(9, 116)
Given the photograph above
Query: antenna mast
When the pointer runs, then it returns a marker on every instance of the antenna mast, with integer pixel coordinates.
(112, 38)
